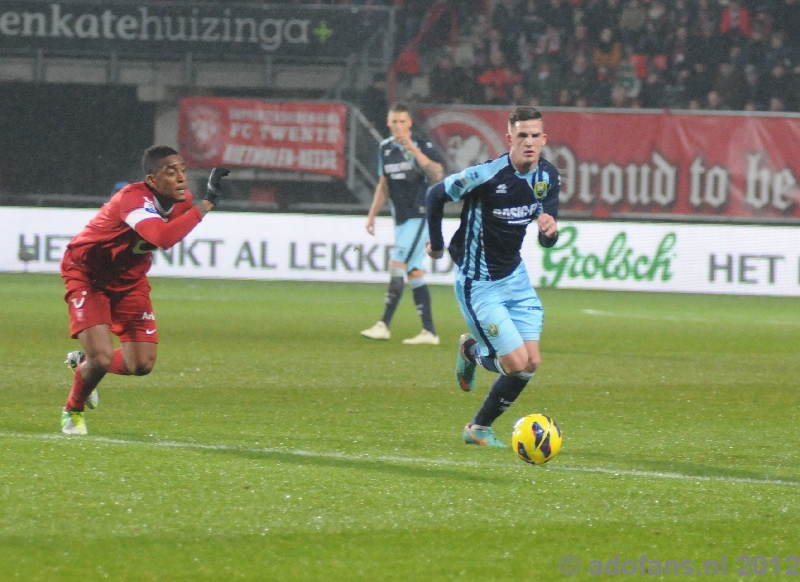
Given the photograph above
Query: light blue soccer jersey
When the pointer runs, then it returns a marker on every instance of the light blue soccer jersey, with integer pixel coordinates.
(499, 204)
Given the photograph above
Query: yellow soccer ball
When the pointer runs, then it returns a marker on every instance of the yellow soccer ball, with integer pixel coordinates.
(536, 438)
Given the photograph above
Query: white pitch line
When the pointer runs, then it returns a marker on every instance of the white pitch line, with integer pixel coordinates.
(680, 318)
(679, 476)
(397, 459)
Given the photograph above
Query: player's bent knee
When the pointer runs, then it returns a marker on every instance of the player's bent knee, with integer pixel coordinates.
(143, 369)
(99, 363)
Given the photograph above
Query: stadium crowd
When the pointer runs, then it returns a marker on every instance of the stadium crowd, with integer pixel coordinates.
(688, 54)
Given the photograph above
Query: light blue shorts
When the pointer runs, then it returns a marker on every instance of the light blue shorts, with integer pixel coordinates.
(501, 314)
(409, 247)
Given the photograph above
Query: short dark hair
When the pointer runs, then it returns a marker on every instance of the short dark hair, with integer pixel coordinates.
(400, 107)
(151, 160)
(524, 114)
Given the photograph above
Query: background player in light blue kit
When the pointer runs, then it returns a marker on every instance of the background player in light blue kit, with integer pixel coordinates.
(503, 312)
(407, 165)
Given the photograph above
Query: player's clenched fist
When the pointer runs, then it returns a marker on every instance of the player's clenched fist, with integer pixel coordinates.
(214, 186)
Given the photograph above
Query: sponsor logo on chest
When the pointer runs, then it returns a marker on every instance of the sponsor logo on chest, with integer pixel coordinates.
(526, 211)
(404, 166)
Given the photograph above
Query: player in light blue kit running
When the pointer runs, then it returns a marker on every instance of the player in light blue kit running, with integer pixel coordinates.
(504, 314)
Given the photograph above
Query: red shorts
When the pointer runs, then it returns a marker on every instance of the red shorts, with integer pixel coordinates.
(128, 313)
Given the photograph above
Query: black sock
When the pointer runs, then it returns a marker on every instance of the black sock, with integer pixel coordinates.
(485, 362)
(504, 392)
(422, 299)
(393, 294)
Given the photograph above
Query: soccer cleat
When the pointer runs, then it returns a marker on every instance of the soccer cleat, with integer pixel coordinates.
(481, 436)
(424, 337)
(73, 359)
(379, 331)
(72, 422)
(465, 370)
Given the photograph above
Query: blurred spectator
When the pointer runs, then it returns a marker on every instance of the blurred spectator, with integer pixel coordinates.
(544, 82)
(734, 22)
(714, 102)
(728, 84)
(699, 83)
(678, 51)
(601, 91)
(448, 83)
(653, 94)
(794, 90)
(676, 89)
(579, 43)
(679, 14)
(751, 91)
(499, 75)
(627, 78)
(778, 51)
(580, 78)
(549, 44)
(706, 18)
(607, 51)
(531, 20)
(787, 19)
(558, 13)
(775, 84)
(503, 17)
(606, 17)
(490, 96)
(564, 98)
(631, 24)
(373, 103)
(495, 42)
(518, 96)
(776, 104)
(653, 40)
(619, 97)
(709, 48)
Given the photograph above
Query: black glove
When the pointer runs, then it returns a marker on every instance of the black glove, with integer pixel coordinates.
(214, 186)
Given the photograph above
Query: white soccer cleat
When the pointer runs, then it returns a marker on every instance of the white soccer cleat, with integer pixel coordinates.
(72, 422)
(424, 337)
(379, 331)
(93, 400)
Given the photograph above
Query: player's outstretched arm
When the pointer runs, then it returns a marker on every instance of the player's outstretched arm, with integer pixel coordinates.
(435, 201)
(166, 234)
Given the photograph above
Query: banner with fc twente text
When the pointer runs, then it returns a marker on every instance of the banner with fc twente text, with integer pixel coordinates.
(297, 135)
(646, 164)
(670, 257)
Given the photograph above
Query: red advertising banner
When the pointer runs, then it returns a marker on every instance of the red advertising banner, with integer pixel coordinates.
(647, 164)
(301, 136)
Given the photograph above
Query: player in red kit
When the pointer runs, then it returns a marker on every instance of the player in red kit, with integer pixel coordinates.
(105, 272)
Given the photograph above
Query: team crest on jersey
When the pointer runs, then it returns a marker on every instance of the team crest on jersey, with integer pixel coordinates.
(149, 206)
(493, 330)
(540, 190)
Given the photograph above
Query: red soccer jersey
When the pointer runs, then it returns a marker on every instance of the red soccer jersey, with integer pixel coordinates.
(113, 251)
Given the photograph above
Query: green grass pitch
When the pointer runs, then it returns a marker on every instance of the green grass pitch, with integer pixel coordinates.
(273, 442)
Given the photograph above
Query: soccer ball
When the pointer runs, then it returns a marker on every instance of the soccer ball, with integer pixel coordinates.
(536, 438)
